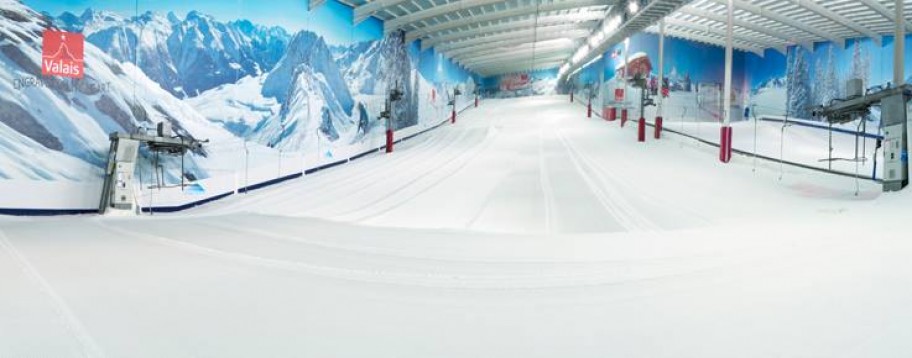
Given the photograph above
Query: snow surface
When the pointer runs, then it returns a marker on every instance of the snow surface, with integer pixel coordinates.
(524, 230)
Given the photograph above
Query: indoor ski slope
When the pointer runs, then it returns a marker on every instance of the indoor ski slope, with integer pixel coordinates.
(524, 230)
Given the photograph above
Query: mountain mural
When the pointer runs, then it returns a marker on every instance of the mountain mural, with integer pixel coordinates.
(185, 56)
(313, 94)
(239, 84)
(60, 126)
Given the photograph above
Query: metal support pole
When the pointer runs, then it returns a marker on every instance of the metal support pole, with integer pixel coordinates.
(899, 46)
(246, 168)
(830, 153)
(661, 99)
(625, 76)
(899, 74)
(726, 145)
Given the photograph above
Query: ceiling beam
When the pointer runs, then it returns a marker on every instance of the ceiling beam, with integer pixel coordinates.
(552, 23)
(839, 19)
(511, 38)
(495, 47)
(883, 11)
(489, 71)
(708, 39)
(784, 19)
(509, 44)
(372, 8)
(759, 43)
(402, 21)
(505, 14)
(515, 69)
(690, 10)
(519, 62)
(517, 56)
(520, 49)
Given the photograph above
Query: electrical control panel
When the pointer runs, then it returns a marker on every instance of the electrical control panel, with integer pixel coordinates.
(122, 196)
(895, 143)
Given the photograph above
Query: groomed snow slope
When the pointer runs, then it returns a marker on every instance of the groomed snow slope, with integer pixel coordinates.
(525, 230)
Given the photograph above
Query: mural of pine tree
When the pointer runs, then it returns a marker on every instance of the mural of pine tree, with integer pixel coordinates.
(799, 86)
(861, 64)
(833, 88)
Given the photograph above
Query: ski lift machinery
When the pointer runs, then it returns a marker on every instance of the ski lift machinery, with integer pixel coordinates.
(892, 102)
(452, 102)
(118, 195)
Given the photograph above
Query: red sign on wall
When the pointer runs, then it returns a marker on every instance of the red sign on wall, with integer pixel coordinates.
(618, 94)
(515, 82)
(62, 54)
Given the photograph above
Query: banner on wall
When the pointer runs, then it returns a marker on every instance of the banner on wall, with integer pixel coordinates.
(62, 54)
(515, 82)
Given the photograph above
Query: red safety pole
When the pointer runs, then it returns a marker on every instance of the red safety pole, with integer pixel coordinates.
(641, 130)
(658, 128)
(623, 116)
(589, 109)
(389, 140)
(725, 148)
(453, 117)
(476, 101)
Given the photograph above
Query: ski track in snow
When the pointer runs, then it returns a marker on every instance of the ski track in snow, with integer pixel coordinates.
(414, 172)
(693, 253)
(333, 182)
(547, 191)
(602, 186)
(433, 177)
(90, 349)
(450, 273)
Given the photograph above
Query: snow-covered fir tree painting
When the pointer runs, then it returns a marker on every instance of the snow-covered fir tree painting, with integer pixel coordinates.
(799, 84)
(815, 77)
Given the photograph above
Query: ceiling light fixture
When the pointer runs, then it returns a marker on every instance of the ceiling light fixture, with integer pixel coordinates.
(633, 6)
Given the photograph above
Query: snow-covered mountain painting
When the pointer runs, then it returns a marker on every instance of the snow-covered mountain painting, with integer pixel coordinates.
(258, 86)
(185, 55)
(57, 129)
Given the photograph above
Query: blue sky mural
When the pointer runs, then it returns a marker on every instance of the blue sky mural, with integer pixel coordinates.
(327, 20)
(432, 64)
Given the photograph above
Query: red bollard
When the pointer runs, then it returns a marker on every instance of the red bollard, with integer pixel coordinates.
(589, 110)
(476, 102)
(623, 116)
(658, 128)
(453, 117)
(612, 113)
(389, 140)
(725, 147)
(641, 130)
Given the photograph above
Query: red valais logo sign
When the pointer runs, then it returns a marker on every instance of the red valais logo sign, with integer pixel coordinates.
(62, 54)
